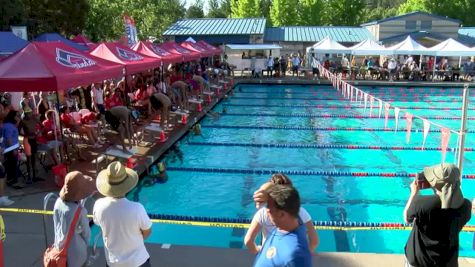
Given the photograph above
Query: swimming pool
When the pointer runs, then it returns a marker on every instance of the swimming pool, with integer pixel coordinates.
(322, 138)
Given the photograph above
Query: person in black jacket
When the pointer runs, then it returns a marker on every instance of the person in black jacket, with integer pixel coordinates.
(437, 219)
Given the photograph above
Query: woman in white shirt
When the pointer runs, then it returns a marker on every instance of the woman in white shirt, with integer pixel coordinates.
(261, 220)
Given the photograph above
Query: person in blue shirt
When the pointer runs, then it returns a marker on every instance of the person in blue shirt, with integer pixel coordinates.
(287, 245)
(10, 147)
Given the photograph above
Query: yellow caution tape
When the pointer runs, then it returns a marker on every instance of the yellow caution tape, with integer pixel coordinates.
(233, 225)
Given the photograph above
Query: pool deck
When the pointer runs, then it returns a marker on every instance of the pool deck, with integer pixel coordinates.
(25, 236)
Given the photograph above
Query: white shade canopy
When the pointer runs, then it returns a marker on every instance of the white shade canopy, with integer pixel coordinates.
(369, 48)
(327, 46)
(408, 47)
(450, 47)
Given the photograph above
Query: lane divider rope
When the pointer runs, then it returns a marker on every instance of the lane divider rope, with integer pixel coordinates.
(309, 128)
(334, 106)
(301, 172)
(319, 146)
(335, 116)
(244, 222)
(411, 99)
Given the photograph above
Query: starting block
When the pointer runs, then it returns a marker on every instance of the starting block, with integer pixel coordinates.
(198, 102)
(216, 88)
(208, 95)
(224, 83)
(184, 115)
(155, 128)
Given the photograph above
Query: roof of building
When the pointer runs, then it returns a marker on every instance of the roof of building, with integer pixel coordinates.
(316, 34)
(470, 31)
(220, 26)
(464, 39)
(411, 14)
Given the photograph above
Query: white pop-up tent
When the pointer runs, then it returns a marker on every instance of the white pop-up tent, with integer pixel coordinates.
(328, 46)
(408, 47)
(369, 48)
(451, 48)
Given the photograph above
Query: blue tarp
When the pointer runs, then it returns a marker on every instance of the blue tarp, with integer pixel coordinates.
(51, 37)
(10, 43)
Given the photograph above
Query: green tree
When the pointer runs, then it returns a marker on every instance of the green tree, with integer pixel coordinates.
(284, 13)
(195, 10)
(245, 9)
(377, 13)
(105, 19)
(345, 12)
(456, 9)
(265, 6)
(413, 5)
(66, 17)
(311, 12)
(12, 12)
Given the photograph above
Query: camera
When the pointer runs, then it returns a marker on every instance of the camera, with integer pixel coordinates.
(421, 181)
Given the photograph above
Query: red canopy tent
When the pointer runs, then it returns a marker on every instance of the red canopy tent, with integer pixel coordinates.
(148, 49)
(175, 48)
(198, 48)
(213, 48)
(134, 62)
(81, 39)
(51, 66)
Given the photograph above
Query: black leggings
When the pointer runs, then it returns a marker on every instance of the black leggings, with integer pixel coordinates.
(11, 166)
(31, 160)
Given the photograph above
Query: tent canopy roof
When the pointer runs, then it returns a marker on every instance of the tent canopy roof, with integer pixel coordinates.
(53, 37)
(177, 49)
(253, 46)
(151, 50)
(450, 47)
(10, 43)
(133, 61)
(50, 66)
(408, 47)
(369, 48)
(327, 45)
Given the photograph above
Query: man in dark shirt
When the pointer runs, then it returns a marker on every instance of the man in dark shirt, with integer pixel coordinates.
(438, 219)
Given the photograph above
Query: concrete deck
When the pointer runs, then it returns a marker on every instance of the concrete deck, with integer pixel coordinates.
(25, 241)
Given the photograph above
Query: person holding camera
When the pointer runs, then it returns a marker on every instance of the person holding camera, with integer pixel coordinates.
(437, 219)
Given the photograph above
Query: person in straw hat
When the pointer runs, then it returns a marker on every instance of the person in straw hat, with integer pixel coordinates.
(437, 219)
(124, 223)
(77, 186)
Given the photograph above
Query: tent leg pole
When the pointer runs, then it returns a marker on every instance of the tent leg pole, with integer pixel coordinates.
(61, 156)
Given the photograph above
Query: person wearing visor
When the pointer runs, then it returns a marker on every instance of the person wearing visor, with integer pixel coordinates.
(436, 219)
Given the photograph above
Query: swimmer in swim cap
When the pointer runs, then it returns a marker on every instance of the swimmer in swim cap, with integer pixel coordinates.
(196, 129)
(162, 173)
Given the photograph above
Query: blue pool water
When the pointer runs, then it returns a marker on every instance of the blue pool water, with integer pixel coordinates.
(326, 197)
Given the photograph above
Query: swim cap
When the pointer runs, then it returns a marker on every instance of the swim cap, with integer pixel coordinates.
(161, 167)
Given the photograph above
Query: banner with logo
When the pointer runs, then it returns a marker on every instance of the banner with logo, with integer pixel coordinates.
(130, 30)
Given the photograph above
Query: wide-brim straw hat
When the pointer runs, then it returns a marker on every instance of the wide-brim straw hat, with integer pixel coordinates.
(77, 186)
(116, 180)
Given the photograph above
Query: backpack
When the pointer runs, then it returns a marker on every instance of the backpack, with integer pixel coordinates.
(54, 257)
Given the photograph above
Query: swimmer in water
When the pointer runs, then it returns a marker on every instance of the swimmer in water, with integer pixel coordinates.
(214, 115)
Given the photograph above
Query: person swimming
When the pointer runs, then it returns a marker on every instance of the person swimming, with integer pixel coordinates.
(196, 130)
(175, 153)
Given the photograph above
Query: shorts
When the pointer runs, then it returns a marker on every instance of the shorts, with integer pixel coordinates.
(295, 68)
(315, 71)
(54, 144)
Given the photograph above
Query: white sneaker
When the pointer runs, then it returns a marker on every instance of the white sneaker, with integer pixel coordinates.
(5, 201)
